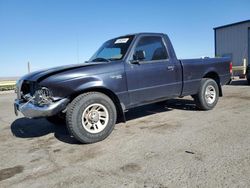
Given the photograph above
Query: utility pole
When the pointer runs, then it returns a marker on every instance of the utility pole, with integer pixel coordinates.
(28, 67)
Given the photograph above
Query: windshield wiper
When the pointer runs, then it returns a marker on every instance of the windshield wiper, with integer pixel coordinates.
(100, 59)
(114, 59)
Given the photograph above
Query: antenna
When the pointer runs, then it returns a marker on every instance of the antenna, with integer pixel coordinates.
(77, 48)
(28, 64)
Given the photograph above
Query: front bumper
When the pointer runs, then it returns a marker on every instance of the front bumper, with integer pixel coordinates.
(30, 110)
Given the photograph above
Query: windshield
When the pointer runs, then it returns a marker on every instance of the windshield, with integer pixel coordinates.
(114, 49)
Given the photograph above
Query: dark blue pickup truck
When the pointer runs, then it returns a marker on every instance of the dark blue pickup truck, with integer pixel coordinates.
(125, 72)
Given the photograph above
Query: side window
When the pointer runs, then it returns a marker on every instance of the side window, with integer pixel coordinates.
(152, 47)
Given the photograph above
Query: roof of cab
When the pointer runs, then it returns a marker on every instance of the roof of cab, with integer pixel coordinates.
(142, 33)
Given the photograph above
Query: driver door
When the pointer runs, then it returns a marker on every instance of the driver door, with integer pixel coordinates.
(152, 77)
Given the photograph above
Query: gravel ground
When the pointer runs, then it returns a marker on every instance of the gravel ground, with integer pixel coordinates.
(7, 92)
(168, 145)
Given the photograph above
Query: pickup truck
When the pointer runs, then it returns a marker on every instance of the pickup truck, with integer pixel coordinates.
(125, 72)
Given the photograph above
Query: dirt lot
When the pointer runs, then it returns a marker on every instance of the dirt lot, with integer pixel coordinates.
(171, 145)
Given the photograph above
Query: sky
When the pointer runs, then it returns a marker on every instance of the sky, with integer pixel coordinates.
(50, 33)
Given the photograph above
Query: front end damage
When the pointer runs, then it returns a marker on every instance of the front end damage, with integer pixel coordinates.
(34, 101)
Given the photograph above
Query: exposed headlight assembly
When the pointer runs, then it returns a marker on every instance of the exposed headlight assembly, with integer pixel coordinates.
(43, 97)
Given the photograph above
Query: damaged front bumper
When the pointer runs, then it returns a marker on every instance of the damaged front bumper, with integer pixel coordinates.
(30, 110)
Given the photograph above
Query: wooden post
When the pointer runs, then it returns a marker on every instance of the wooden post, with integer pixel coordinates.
(244, 66)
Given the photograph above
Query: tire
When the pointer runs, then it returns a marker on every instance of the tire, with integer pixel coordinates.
(57, 119)
(229, 82)
(248, 81)
(91, 117)
(203, 102)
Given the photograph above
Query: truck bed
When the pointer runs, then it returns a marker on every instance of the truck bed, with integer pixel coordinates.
(195, 69)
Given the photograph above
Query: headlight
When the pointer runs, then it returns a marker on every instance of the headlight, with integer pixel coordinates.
(43, 96)
(18, 88)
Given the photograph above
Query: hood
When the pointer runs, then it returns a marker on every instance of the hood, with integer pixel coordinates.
(42, 74)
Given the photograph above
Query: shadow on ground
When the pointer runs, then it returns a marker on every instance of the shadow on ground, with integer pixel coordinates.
(169, 105)
(239, 82)
(31, 128)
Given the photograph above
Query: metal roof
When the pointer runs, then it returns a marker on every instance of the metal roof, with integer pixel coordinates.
(229, 25)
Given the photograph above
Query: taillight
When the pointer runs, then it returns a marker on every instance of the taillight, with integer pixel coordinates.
(231, 68)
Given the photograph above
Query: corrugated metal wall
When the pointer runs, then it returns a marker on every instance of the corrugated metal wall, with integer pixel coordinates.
(233, 40)
(249, 46)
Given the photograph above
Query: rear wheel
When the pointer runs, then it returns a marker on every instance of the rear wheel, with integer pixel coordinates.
(248, 81)
(208, 94)
(91, 117)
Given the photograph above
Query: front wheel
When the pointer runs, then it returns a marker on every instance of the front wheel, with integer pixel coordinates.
(208, 94)
(91, 117)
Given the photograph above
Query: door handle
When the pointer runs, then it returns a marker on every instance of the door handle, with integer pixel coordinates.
(170, 67)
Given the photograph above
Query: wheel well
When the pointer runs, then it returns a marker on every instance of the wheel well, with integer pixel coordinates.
(216, 78)
(110, 94)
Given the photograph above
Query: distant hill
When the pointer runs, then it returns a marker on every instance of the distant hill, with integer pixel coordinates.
(9, 78)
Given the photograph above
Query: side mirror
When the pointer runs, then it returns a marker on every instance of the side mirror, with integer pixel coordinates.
(138, 56)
